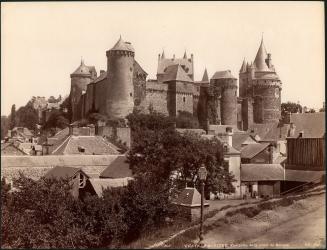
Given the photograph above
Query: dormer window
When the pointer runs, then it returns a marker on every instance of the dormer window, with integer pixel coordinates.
(81, 149)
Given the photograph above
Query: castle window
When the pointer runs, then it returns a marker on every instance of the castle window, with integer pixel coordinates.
(131, 69)
(183, 99)
(130, 94)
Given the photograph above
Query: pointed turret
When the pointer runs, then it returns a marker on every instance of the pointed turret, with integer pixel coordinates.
(244, 66)
(123, 46)
(185, 56)
(205, 77)
(260, 59)
(163, 54)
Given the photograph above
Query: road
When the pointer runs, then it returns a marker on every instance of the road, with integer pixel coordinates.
(301, 225)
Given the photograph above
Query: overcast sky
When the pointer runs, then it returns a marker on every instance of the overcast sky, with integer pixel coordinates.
(42, 42)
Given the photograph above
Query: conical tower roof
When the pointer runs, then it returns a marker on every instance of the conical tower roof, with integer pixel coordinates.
(185, 55)
(205, 77)
(244, 66)
(121, 45)
(260, 58)
(82, 69)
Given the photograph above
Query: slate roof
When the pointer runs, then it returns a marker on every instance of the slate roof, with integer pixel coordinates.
(313, 124)
(84, 70)
(303, 175)
(164, 63)
(5, 149)
(260, 58)
(138, 69)
(243, 67)
(189, 197)
(121, 45)
(251, 150)
(101, 184)
(270, 131)
(100, 77)
(262, 172)
(93, 145)
(223, 74)
(119, 168)
(63, 172)
(176, 73)
(205, 77)
(242, 138)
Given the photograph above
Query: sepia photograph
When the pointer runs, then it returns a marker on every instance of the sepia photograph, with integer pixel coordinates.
(163, 125)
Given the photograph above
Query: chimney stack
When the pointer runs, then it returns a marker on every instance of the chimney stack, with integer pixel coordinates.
(301, 134)
(229, 132)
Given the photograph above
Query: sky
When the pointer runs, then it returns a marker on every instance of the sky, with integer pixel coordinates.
(42, 43)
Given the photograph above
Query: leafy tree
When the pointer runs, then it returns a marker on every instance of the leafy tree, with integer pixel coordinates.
(66, 109)
(56, 120)
(186, 120)
(27, 116)
(12, 123)
(4, 126)
(290, 107)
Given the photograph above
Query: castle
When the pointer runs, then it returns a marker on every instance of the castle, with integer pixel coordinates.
(123, 87)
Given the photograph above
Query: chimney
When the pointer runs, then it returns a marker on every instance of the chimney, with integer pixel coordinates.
(301, 134)
(229, 132)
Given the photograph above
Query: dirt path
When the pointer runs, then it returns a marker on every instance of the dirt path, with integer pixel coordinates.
(299, 225)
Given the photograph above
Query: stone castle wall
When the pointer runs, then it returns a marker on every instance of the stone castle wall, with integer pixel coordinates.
(228, 102)
(156, 97)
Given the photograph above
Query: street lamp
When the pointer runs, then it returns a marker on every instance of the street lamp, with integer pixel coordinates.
(202, 176)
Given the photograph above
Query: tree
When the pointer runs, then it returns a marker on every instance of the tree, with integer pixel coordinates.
(159, 151)
(56, 120)
(27, 116)
(12, 123)
(290, 107)
(186, 120)
(4, 126)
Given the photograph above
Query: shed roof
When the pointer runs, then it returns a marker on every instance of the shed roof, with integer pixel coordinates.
(251, 150)
(262, 172)
(119, 168)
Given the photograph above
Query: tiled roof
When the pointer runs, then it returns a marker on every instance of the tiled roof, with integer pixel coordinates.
(312, 124)
(176, 73)
(303, 175)
(92, 165)
(119, 168)
(164, 63)
(222, 75)
(189, 197)
(101, 184)
(62, 172)
(262, 172)
(242, 138)
(92, 145)
(251, 150)
(260, 58)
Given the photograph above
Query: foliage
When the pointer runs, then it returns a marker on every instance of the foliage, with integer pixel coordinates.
(159, 151)
(186, 120)
(27, 116)
(290, 107)
(12, 122)
(56, 120)
(66, 109)
(4, 126)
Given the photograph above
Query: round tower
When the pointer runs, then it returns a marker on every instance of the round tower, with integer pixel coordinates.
(120, 90)
(80, 78)
(267, 98)
(228, 102)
